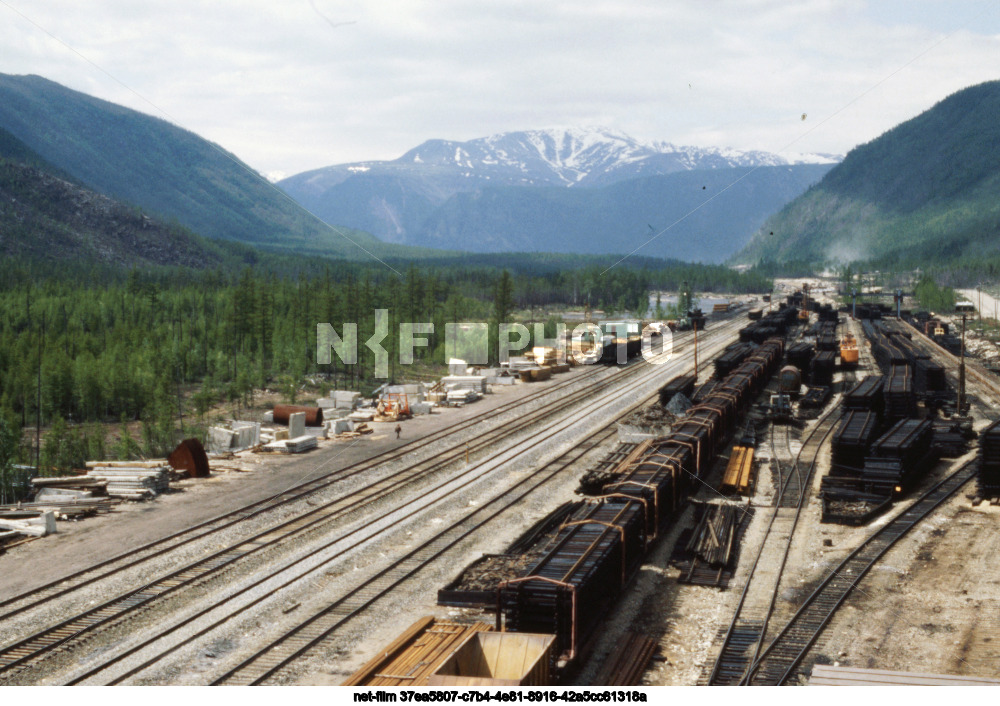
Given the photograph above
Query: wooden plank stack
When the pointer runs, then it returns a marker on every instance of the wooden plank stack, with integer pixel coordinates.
(739, 476)
(133, 480)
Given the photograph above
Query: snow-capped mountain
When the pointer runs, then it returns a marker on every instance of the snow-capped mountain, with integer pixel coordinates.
(435, 191)
(553, 157)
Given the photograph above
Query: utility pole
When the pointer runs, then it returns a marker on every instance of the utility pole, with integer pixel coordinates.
(961, 371)
(979, 307)
(694, 325)
(38, 403)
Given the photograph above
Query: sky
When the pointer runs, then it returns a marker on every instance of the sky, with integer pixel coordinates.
(301, 84)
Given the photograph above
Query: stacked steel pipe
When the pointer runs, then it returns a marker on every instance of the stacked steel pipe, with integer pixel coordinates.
(775, 323)
(900, 401)
(822, 368)
(867, 395)
(827, 338)
(569, 590)
(800, 355)
(730, 358)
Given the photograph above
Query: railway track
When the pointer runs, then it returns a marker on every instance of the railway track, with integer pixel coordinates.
(780, 661)
(30, 650)
(784, 655)
(747, 630)
(156, 549)
(134, 557)
(270, 662)
(988, 384)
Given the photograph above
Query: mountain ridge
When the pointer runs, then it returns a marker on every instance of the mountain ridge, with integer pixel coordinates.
(164, 169)
(408, 200)
(924, 190)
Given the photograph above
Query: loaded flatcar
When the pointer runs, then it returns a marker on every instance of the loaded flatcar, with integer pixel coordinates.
(568, 591)
(621, 341)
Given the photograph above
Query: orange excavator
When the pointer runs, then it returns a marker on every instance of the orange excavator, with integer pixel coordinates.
(393, 407)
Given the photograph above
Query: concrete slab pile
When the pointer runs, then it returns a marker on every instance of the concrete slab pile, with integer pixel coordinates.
(133, 480)
(465, 382)
(293, 446)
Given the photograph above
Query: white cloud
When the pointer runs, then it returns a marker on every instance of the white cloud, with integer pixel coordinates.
(288, 87)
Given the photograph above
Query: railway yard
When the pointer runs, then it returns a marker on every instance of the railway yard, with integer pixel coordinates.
(787, 507)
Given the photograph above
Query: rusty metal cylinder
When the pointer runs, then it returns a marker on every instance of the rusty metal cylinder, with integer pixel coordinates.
(190, 456)
(314, 415)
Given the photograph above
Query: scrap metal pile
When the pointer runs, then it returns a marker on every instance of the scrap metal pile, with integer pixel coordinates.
(707, 557)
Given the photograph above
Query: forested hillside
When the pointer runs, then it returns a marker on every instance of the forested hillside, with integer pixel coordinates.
(922, 194)
(157, 344)
(167, 171)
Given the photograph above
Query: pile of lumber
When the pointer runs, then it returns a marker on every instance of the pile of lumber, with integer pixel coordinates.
(133, 480)
(63, 506)
(39, 525)
(739, 475)
(359, 430)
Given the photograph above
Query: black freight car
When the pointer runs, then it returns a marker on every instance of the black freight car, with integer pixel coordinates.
(570, 589)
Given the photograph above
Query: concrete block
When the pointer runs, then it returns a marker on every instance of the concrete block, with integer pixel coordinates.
(220, 440)
(280, 434)
(457, 366)
(326, 403)
(420, 408)
(346, 399)
(34, 526)
(343, 425)
(296, 425)
(269, 417)
(247, 435)
(465, 382)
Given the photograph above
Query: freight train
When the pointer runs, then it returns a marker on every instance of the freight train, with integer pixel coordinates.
(569, 589)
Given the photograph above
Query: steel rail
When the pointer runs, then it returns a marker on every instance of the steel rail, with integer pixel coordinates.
(737, 640)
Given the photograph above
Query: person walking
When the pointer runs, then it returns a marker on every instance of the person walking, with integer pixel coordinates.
(398, 429)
